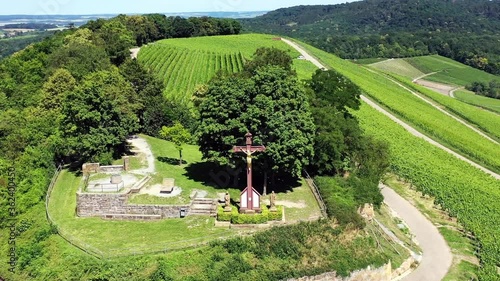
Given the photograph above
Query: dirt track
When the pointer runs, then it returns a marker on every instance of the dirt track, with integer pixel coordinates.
(438, 87)
(134, 52)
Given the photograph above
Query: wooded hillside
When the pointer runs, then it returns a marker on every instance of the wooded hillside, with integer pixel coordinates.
(464, 30)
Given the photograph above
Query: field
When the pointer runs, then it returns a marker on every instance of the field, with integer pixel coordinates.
(182, 64)
(480, 101)
(421, 115)
(398, 66)
(465, 192)
(440, 69)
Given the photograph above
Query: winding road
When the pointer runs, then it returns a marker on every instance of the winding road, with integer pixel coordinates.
(437, 257)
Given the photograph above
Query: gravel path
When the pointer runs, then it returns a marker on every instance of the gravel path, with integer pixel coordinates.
(437, 257)
(142, 146)
(134, 52)
(423, 76)
(437, 87)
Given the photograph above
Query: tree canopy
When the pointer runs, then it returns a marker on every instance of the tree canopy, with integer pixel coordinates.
(99, 115)
(272, 105)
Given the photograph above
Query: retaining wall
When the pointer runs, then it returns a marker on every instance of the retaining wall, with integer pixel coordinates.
(103, 205)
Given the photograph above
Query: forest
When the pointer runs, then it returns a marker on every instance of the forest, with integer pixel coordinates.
(463, 30)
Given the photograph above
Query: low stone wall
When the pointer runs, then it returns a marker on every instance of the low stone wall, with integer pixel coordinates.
(88, 168)
(111, 169)
(99, 205)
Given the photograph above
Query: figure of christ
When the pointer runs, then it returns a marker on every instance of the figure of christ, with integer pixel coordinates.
(249, 198)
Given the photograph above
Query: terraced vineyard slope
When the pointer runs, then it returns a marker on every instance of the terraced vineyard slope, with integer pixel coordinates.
(185, 63)
(437, 68)
(464, 191)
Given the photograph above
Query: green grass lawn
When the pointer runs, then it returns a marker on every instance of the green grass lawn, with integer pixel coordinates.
(116, 238)
(305, 69)
(399, 67)
(477, 100)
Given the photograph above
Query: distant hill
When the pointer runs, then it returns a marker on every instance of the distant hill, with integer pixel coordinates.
(465, 30)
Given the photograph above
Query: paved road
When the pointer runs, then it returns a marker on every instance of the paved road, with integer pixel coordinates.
(437, 255)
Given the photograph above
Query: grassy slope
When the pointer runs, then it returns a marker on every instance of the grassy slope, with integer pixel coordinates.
(449, 71)
(461, 189)
(405, 72)
(487, 121)
(480, 101)
(398, 66)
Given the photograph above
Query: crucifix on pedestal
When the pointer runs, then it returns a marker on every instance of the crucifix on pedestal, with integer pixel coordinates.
(249, 198)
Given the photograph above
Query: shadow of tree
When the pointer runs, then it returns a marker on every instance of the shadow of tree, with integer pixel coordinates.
(225, 176)
(171, 161)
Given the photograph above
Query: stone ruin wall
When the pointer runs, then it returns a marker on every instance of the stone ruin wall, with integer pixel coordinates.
(89, 168)
(100, 205)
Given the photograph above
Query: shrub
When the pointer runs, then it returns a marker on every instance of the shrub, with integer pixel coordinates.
(224, 216)
(235, 217)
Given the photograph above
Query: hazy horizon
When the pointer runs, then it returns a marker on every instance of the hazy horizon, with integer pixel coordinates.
(111, 7)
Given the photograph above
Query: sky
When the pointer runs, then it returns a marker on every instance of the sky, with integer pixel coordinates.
(72, 7)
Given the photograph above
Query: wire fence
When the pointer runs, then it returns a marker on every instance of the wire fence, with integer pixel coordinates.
(315, 190)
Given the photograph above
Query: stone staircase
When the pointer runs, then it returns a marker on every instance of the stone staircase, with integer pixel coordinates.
(203, 207)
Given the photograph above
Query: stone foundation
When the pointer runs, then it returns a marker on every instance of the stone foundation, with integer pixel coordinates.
(115, 205)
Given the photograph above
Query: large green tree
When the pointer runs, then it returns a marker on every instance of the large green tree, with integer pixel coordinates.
(99, 115)
(118, 40)
(337, 131)
(272, 105)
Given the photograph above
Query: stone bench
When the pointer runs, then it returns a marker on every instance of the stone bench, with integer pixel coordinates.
(167, 186)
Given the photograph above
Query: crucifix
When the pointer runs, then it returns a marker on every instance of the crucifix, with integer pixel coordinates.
(249, 198)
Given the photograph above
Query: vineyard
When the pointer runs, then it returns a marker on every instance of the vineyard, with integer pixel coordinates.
(421, 115)
(477, 100)
(183, 64)
(465, 192)
(441, 70)
(182, 69)
(485, 120)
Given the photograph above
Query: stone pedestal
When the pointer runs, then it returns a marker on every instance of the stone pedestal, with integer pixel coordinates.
(126, 163)
(273, 209)
(116, 179)
(227, 209)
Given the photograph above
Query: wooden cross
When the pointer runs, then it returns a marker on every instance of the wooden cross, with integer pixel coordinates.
(249, 198)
